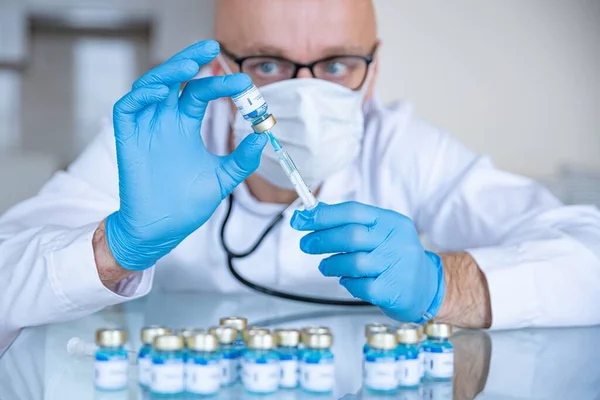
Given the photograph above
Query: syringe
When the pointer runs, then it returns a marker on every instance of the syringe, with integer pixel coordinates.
(253, 108)
(304, 193)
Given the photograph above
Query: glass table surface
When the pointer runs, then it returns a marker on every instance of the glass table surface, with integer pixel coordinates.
(521, 364)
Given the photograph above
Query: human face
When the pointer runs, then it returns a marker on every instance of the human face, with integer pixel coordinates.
(301, 31)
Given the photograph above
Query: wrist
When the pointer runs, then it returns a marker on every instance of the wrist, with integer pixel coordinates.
(109, 270)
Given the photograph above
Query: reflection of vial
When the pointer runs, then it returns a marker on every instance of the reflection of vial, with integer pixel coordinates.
(317, 370)
(287, 348)
(439, 352)
(145, 355)
(230, 353)
(437, 390)
(379, 372)
(111, 359)
(407, 352)
(253, 107)
(202, 368)
(167, 365)
(260, 369)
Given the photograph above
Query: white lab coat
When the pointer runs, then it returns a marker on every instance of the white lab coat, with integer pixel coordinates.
(541, 259)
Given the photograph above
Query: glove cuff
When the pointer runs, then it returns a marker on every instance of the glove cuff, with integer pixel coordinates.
(438, 298)
(118, 247)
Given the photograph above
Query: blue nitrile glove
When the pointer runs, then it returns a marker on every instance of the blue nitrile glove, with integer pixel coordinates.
(169, 183)
(381, 259)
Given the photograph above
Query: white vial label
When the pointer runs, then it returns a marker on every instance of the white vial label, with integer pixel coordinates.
(380, 374)
(167, 378)
(317, 377)
(229, 370)
(111, 374)
(249, 101)
(261, 378)
(422, 361)
(289, 373)
(203, 379)
(409, 372)
(145, 370)
(439, 365)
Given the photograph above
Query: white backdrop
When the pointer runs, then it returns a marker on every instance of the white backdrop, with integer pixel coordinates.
(519, 80)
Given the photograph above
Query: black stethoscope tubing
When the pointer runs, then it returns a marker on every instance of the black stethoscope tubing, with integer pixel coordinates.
(231, 255)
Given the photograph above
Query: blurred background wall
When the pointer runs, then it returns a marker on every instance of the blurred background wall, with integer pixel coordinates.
(514, 79)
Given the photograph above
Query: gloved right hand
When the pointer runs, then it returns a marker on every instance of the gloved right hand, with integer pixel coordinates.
(169, 183)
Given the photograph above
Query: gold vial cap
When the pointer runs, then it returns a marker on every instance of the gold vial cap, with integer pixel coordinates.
(287, 337)
(238, 323)
(265, 125)
(186, 332)
(374, 328)
(225, 334)
(168, 343)
(251, 330)
(261, 340)
(318, 340)
(438, 330)
(409, 333)
(382, 340)
(148, 333)
(111, 337)
(309, 330)
(201, 340)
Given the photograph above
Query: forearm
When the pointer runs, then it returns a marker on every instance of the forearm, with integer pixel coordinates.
(467, 300)
(109, 271)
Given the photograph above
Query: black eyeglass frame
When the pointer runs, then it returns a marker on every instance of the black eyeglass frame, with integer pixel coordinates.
(310, 66)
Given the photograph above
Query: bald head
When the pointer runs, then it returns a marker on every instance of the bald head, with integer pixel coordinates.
(301, 30)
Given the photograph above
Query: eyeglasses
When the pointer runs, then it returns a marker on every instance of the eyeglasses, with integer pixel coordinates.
(347, 70)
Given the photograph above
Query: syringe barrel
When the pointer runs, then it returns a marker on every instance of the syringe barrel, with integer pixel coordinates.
(304, 193)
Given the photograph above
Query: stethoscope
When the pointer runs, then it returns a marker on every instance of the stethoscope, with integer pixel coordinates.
(231, 255)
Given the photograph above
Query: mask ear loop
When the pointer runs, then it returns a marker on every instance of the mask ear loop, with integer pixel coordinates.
(365, 86)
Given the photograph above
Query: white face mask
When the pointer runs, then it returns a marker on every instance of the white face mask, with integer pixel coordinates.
(319, 123)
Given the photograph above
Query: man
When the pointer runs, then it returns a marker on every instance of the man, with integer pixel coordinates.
(147, 208)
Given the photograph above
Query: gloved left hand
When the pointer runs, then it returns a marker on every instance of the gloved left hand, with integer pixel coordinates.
(380, 257)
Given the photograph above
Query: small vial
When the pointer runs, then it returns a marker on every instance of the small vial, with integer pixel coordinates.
(373, 328)
(287, 341)
(167, 365)
(229, 353)
(203, 367)
(407, 352)
(422, 339)
(438, 351)
(305, 332)
(252, 330)
(239, 323)
(317, 369)
(185, 333)
(253, 107)
(260, 369)
(148, 334)
(380, 372)
(111, 360)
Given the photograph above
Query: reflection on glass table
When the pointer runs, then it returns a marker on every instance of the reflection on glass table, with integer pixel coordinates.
(544, 364)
